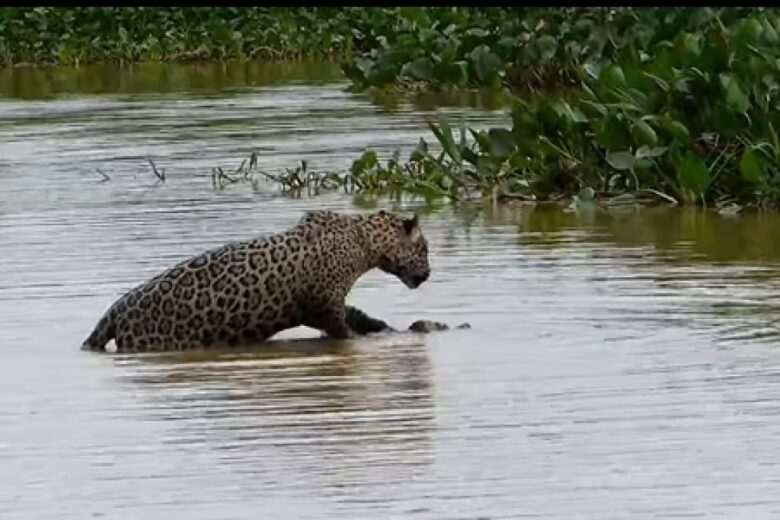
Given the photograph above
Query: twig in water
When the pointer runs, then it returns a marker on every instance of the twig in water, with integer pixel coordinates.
(159, 173)
(105, 176)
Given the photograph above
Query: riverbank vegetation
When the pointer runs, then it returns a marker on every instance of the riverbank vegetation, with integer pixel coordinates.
(679, 104)
(82, 35)
(682, 103)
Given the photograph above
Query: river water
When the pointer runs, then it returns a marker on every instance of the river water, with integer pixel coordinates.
(620, 364)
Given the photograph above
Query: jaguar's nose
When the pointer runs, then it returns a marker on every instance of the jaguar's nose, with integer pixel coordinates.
(420, 278)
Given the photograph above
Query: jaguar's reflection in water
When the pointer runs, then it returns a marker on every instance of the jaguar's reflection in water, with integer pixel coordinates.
(338, 414)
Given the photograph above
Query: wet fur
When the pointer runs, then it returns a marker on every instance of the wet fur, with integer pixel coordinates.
(247, 291)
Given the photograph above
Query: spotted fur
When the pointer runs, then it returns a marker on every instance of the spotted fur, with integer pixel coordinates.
(247, 291)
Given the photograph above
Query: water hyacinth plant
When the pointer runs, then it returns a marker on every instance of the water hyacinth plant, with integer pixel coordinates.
(80, 35)
(678, 102)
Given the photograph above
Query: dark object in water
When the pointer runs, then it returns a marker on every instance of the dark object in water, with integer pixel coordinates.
(425, 326)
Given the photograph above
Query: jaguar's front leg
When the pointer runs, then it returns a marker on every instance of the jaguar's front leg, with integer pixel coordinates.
(331, 320)
(361, 323)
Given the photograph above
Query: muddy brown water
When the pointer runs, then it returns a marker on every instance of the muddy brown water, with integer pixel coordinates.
(620, 364)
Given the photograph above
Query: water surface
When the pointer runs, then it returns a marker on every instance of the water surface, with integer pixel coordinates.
(619, 365)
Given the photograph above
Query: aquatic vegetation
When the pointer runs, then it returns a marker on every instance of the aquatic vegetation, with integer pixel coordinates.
(290, 180)
(680, 103)
(79, 35)
(518, 47)
(366, 175)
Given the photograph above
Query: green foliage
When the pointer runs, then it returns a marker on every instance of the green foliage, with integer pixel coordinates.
(682, 102)
(530, 47)
(77, 35)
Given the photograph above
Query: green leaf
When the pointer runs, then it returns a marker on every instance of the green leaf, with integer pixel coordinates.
(547, 149)
(644, 134)
(621, 160)
(455, 73)
(477, 32)
(482, 139)
(486, 64)
(547, 46)
(446, 139)
(382, 73)
(593, 109)
(726, 120)
(770, 35)
(660, 83)
(518, 160)
(420, 69)
(355, 72)
(693, 174)
(687, 48)
(586, 194)
(469, 156)
(449, 50)
(584, 200)
(749, 32)
(678, 130)
(507, 45)
(525, 126)
(419, 153)
(564, 112)
(650, 153)
(750, 167)
(734, 96)
(643, 163)
(462, 130)
(364, 163)
(415, 15)
(613, 77)
(628, 107)
(715, 55)
(502, 142)
(485, 167)
(611, 132)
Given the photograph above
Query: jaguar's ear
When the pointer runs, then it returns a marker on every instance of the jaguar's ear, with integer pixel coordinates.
(411, 225)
